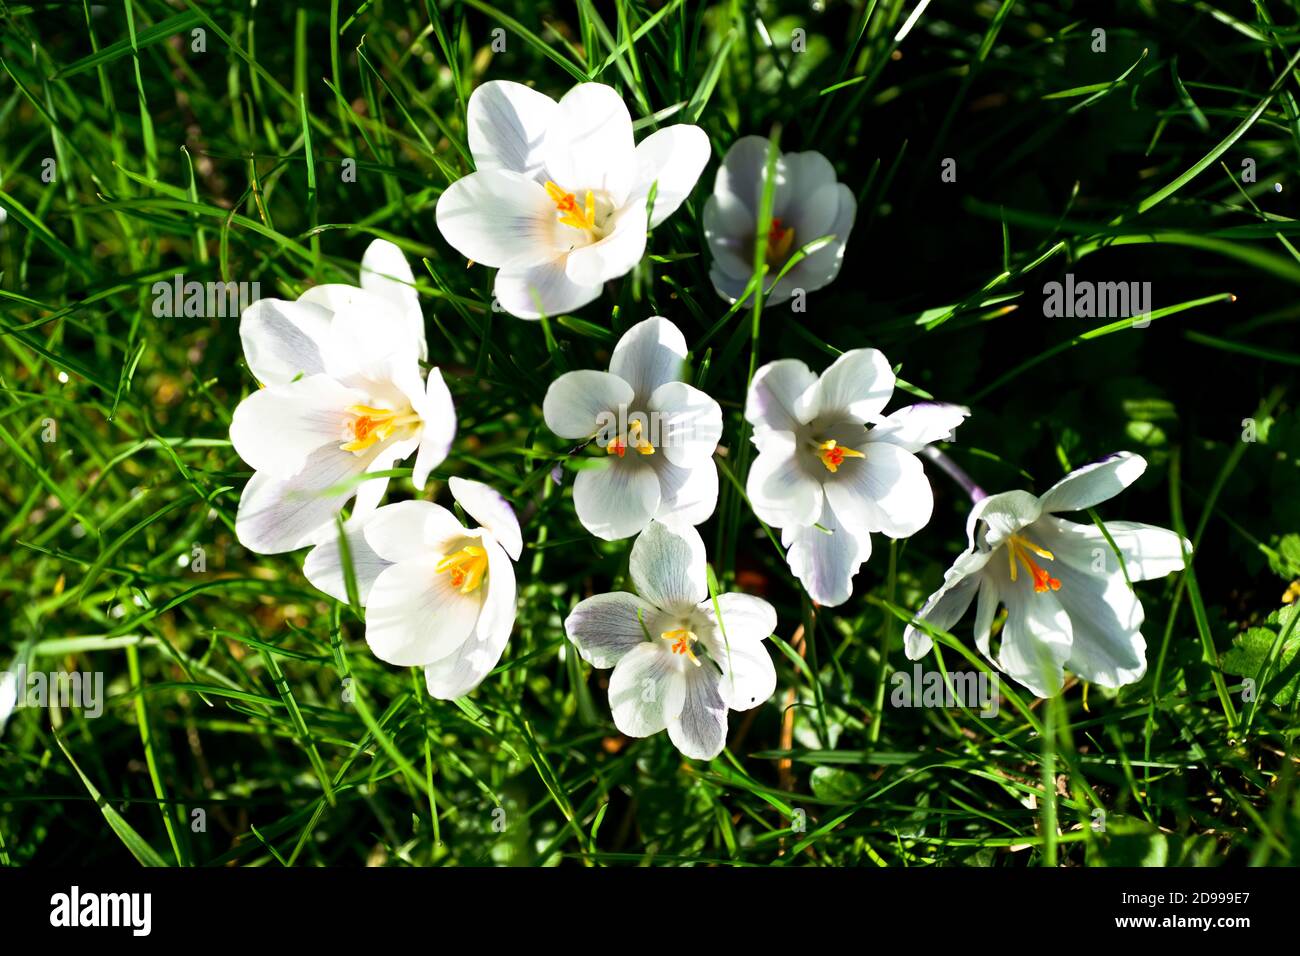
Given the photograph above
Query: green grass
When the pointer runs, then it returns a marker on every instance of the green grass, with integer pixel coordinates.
(240, 698)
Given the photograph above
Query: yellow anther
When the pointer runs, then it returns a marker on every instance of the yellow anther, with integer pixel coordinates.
(619, 446)
(567, 205)
(681, 640)
(1019, 550)
(779, 240)
(832, 454)
(468, 568)
(370, 425)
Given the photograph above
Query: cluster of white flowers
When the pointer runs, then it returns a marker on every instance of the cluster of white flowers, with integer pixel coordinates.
(560, 203)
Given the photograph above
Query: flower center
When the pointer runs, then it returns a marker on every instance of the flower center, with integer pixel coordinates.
(1019, 550)
(779, 240)
(467, 567)
(681, 640)
(634, 439)
(832, 454)
(571, 214)
(369, 425)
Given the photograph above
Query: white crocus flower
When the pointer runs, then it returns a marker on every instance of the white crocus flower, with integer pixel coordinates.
(8, 694)
(808, 204)
(558, 202)
(1068, 603)
(657, 432)
(437, 595)
(825, 477)
(343, 397)
(680, 659)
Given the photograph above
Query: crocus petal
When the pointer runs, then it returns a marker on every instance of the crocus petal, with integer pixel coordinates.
(775, 390)
(605, 627)
(915, 426)
(616, 499)
(740, 617)
(815, 214)
(370, 490)
(1106, 621)
(944, 607)
(277, 515)
(729, 231)
(821, 266)
(1036, 638)
(690, 423)
(589, 143)
(464, 669)
(323, 566)
(986, 610)
(687, 495)
(780, 491)
(542, 289)
(886, 491)
(414, 615)
(700, 731)
(8, 690)
(742, 174)
(649, 354)
(748, 675)
(668, 566)
(994, 519)
(857, 385)
(276, 429)
(385, 273)
(499, 218)
(612, 256)
(506, 123)
(340, 297)
(1093, 483)
(367, 349)
(809, 172)
(282, 340)
(411, 530)
(1148, 552)
(826, 559)
(438, 428)
(646, 690)
(670, 160)
(578, 404)
(491, 510)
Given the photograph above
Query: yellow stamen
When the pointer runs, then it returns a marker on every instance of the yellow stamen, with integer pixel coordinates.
(779, 240)
(567, 205)
(468, 568)
(682, 640)
(620, 446)
(832, 454)
(370, 425)
(1019, 550)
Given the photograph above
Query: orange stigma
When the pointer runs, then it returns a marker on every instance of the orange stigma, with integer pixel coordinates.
(681, 640)
(1019, 550)
(779, 240)
(832, 454)
(467, 568)
(619, 446)
(370, 425)
(571, 214)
